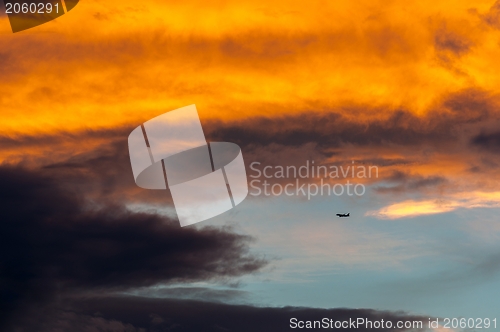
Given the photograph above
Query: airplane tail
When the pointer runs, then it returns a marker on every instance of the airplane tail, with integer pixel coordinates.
(349, 214)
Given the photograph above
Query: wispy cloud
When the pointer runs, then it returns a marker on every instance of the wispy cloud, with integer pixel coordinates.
(414, 208)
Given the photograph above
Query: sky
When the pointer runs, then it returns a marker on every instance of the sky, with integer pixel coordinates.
(409, 88)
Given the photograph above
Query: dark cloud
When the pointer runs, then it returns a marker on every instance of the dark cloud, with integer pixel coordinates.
(145, 314)
(454, 120)
(447, 40)
(447, 123)
(100, 167)
(386, 161)
(467, 107)
(492, 17)
(3, 15)
(55, 242)
(403, 182)
(194, 293)
(489, 142)
(104, 173)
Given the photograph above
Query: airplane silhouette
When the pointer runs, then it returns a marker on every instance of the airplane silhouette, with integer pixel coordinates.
(342, 215)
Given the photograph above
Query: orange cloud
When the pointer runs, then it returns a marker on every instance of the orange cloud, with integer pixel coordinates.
(412, 208)
(368, 81)
(115, 63)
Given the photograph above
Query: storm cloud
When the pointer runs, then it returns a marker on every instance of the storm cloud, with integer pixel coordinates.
(56, 242)
(125, 313)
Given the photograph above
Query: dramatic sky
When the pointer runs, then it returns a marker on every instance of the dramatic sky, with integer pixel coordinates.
(412, 88)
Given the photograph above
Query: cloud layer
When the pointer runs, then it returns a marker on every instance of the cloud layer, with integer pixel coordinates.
(133, 314)
(56, 243)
